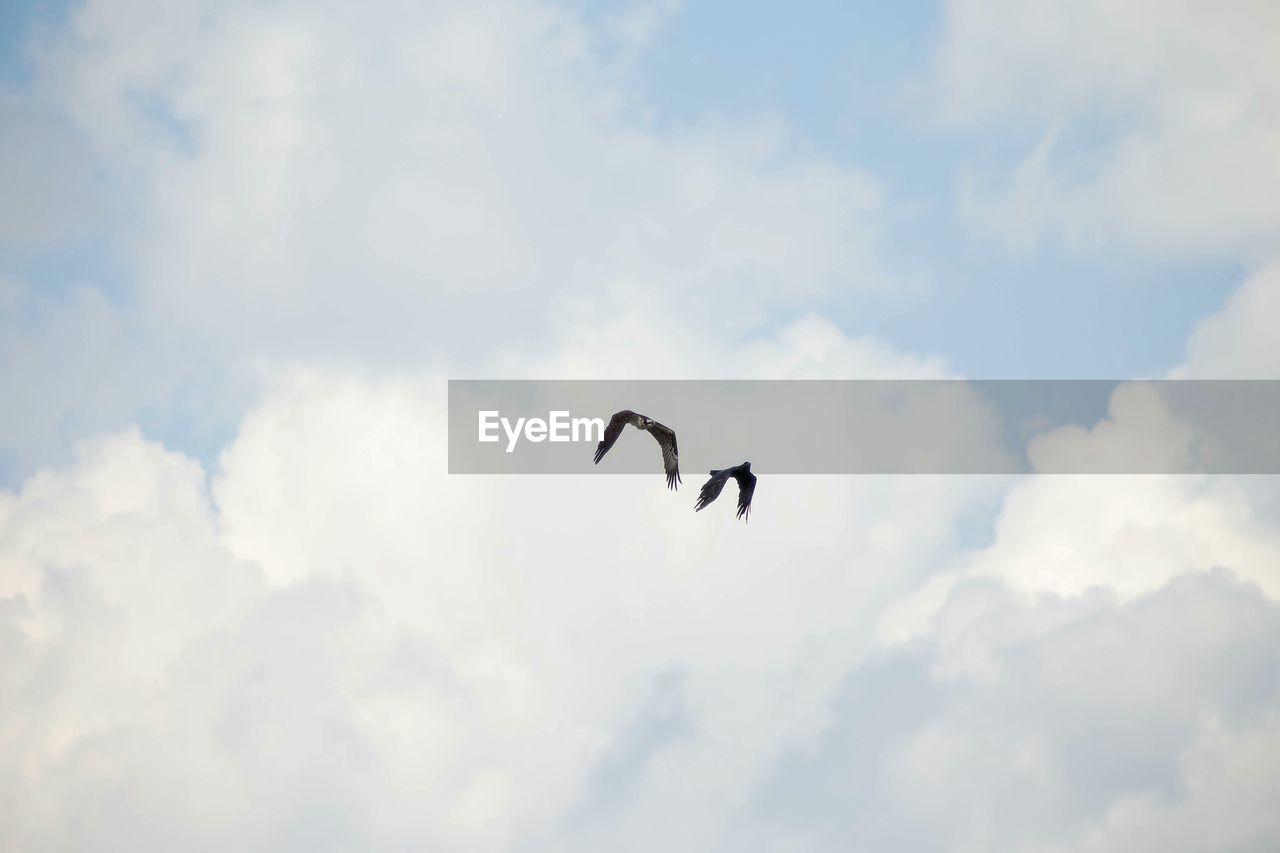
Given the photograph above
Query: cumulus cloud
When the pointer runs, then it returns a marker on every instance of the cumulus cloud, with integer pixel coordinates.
(327, 641)
(1171, 109)
(428, 161)
(1051, 724)
(1068, 534)
(1238, 341)
(332, 641)
(1100, 669)
(415, 186)
(811, 347)
(320, 640)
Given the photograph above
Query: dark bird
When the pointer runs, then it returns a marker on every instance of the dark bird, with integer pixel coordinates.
(665, 436)
(746, 487)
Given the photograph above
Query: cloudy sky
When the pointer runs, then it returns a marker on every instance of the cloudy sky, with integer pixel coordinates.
(243, 245)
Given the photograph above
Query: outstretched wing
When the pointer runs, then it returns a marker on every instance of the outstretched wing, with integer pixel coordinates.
(611, 432)
(711, 489)
(666, 438)
(746, 488)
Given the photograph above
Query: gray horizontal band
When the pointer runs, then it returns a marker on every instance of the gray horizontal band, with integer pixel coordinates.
(872, 426)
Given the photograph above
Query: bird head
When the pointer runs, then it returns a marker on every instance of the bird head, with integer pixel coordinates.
(646, 422)
(746, 466)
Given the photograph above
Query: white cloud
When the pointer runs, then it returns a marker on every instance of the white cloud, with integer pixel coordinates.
(811, 347)
(378, 182)
(1097, 670)
(411, 186)
(1230, 785)
(1140, 433)
(1049, 724)
(335, 637)
(1239, 342)
(636, 23)
(332, 641)
(1069, 534)
(327, 642)
(1175, 108)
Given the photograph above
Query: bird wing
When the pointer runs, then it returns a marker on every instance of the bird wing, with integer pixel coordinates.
(611, 433)
(746, 488)
(711, 489)
(666, 439)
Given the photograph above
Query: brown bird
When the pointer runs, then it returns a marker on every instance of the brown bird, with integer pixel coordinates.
(665, 436)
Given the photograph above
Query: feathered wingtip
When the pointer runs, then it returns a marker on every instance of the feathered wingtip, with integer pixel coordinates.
(706, 495)
(702, 502)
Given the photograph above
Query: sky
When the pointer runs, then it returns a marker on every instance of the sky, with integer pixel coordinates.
(243, 246)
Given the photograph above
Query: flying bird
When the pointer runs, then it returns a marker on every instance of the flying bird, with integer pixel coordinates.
(665, 436)
(746, 487)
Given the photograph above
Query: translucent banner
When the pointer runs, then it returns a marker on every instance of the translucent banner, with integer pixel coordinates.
(871, 426)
